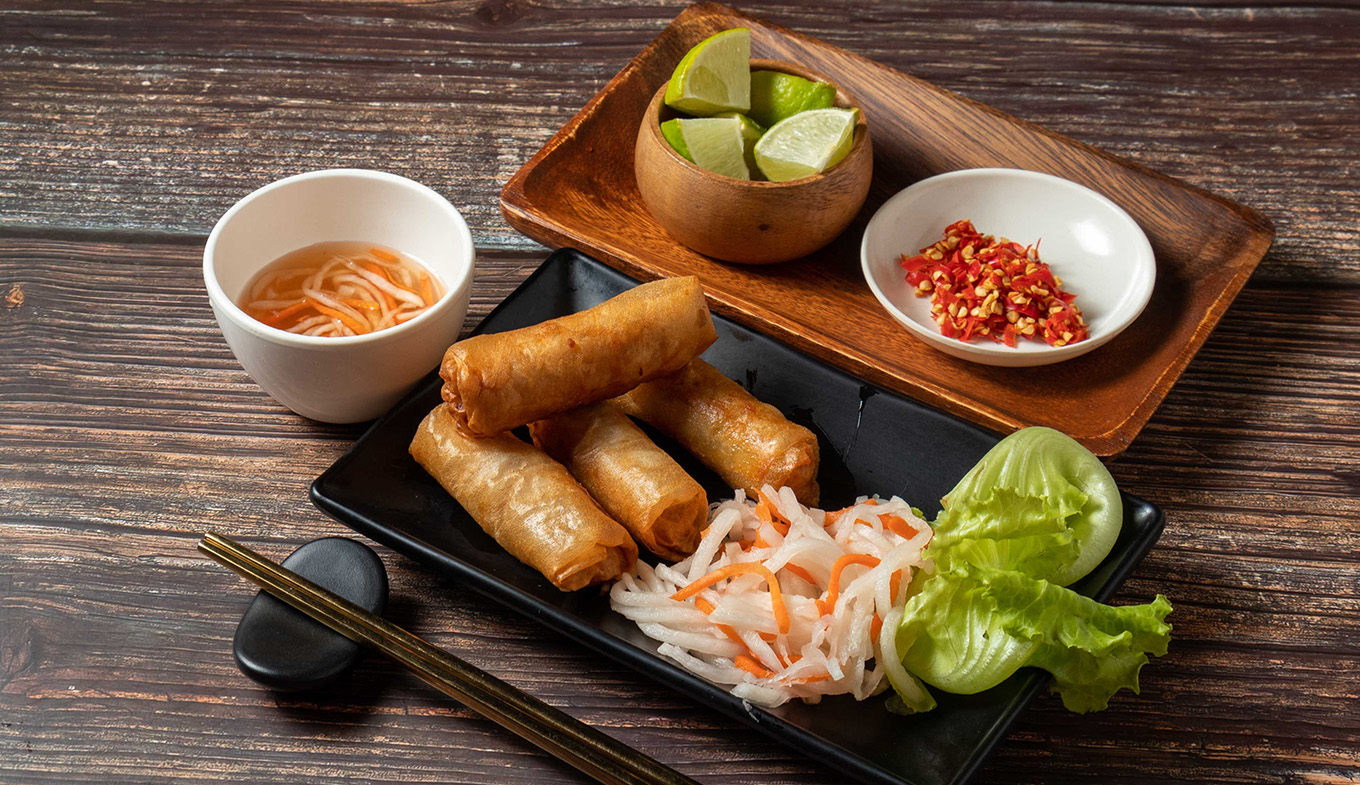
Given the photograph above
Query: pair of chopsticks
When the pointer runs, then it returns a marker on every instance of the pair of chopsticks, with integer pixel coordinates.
(565, 737)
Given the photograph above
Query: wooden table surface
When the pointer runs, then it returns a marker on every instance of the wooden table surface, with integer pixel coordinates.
(127, 428)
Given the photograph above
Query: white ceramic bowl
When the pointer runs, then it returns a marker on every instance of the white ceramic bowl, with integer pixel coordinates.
(1093, 245)
(353, 378)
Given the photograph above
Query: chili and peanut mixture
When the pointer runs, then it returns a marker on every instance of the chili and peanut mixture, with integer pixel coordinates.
(981, 286)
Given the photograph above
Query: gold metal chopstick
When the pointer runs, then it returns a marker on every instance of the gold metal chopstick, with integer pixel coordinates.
(589, 750)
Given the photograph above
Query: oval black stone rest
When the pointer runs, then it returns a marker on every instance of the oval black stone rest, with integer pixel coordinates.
(286, 649)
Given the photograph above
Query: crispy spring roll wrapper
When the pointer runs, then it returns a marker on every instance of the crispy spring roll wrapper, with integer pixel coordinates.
(635, 481)
(496, 382)
(527, 501)
(747, 442)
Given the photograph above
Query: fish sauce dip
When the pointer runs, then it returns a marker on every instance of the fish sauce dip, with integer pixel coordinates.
(343, 288)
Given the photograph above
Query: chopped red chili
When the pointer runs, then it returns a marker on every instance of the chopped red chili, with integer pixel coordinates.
(981, 286)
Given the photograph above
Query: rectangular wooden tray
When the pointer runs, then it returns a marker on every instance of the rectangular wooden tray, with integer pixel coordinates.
(579, 190)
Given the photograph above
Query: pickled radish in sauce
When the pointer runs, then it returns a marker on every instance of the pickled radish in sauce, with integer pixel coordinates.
(337, 289)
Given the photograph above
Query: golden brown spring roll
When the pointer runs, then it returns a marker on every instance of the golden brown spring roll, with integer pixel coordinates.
(747, 442)
(635, 481)
(527, 501)
(496, 382)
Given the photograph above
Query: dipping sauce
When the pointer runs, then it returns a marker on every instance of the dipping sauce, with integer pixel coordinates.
(337, 289)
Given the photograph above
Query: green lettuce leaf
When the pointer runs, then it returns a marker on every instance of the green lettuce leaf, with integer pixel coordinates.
(972, 626)
(1038, 503)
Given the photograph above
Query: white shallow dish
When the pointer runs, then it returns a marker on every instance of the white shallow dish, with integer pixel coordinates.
(1098, 251)
(354, 378)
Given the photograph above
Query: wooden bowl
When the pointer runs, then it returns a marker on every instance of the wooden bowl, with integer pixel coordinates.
(750, 221)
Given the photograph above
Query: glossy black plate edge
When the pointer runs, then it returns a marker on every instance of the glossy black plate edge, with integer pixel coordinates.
(1138, 549)
(702, 691)
(657, 668)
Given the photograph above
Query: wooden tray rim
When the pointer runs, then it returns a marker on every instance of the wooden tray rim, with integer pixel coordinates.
(514, 208)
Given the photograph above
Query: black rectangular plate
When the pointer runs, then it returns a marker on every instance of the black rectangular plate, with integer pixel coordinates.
(872, 442)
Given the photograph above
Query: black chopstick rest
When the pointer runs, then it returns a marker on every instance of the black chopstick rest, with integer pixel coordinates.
(281, 647)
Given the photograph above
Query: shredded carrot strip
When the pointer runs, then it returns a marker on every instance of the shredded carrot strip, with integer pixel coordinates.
(898, 525)
(833, 589)
(383, 255)
(376, 269)
(801, 573)
(279, 317)
(426, 290)
(833, 517)
(763, 511)
(345, 319)
(748, 664)
(814, 678)
(894, 583)
(726, 629)
(781, 613)
(768, 513)
(367, 306)
(876, 627)
(768, 637)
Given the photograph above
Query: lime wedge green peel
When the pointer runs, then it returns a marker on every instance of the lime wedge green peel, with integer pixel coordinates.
(671, 130)
(751, 131)
(778, 96)
(714, 76)
(806, 144)
(712, 143)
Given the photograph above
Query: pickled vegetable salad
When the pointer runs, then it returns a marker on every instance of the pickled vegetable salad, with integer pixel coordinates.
(784, 601)
(780, 600)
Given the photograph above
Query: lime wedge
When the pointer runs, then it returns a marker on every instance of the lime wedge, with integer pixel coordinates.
(712, 143)
(751, 131)
(807, 143)
(778, 96)
(671, 130)
(714, 76)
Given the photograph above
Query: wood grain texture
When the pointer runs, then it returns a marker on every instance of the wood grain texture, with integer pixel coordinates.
(127, 429)
(156, 117)
(581, 191)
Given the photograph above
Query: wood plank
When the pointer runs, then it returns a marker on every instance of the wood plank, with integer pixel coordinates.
(114, 123)
(127, 429)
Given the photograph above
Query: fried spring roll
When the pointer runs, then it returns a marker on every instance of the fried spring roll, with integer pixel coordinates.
(527, 501)
(747, 442)
(635, 481)
(496, 382)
